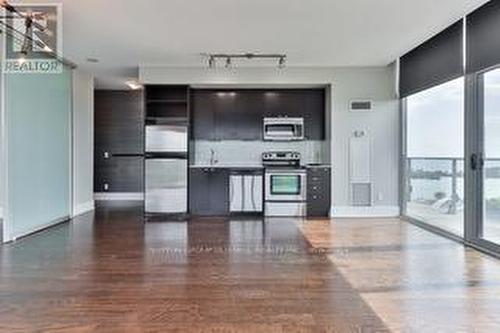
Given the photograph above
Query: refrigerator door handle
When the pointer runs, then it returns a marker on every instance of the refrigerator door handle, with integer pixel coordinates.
(243, 190)
(254, 206)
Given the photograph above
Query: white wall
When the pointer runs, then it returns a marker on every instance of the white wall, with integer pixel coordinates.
(381, 125)
(346, 84)
(83, 142)
(2, 175)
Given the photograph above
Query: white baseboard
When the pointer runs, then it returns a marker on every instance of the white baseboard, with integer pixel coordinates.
(83, 208)
(121, 196)
(374, 211)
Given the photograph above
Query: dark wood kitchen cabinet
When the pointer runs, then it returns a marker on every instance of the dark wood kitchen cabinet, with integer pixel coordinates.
(119, 174)
(203, 115)
(307, 103)
(118, 141)
(226, 115)
(318, 191)
(237, 114)
(119, 122)
(209, 191)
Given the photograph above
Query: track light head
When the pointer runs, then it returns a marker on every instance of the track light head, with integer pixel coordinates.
(211, 62)
(281, 62)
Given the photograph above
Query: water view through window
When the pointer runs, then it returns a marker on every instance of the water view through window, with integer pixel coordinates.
(491, 174)
(435, 156)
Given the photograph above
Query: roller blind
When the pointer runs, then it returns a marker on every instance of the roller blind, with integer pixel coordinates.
(438, 60)
(483, 37)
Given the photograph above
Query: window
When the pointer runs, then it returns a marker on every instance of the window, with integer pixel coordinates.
(434, 184)
(491, 170)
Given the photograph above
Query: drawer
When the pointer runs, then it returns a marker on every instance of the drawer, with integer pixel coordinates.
(322, 182)
(317, 188)
(318, 171)
(316, 197)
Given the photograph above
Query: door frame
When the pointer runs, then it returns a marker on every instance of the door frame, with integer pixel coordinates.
(474, 179)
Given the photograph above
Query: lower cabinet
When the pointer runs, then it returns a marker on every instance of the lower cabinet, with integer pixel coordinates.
(318, 191)
(119, 174)
(209, 191)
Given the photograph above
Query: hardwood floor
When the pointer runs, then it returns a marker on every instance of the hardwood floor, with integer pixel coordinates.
(414, 280)
(111, 272)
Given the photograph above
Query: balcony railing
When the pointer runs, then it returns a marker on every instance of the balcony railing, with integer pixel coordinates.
(435, 192)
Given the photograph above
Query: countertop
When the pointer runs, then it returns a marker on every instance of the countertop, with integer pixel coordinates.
(248, 166)
(227, 166)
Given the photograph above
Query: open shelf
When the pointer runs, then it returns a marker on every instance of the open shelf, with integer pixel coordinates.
(167, 101)
(166, 104)
(166, 93)
(168, 110)
(166, 121)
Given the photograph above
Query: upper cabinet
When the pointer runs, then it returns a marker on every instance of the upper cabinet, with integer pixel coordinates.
(202, 115)
(237, 114)
(307, 103)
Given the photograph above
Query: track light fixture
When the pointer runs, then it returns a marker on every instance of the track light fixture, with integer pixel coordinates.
(211, 62)
(281, 62)
(26, 46)
(212, 58)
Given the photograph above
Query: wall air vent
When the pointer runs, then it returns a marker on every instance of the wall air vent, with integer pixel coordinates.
(361, 194)
(360, 106)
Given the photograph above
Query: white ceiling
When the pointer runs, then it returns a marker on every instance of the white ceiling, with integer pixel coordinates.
(125, 33)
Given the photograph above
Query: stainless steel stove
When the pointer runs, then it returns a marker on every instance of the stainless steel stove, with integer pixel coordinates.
(285, 184)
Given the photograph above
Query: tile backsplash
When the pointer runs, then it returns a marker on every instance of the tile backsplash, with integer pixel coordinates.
(249, 152)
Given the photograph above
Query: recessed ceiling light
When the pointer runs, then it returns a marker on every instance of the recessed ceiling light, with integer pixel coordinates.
(93, 60)
(133, 85)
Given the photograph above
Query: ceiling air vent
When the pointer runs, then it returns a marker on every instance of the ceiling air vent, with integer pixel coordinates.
(360, 106)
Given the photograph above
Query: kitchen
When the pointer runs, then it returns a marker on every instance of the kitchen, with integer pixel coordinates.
(230, 151)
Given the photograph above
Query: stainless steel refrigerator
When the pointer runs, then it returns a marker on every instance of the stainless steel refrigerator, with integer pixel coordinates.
(166, 169)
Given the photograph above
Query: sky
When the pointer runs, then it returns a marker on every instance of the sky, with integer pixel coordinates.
(435, 126)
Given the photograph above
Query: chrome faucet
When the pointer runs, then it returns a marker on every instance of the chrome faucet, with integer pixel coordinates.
(212, 157)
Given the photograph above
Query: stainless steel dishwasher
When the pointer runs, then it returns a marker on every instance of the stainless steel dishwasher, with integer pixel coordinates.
(246, 191)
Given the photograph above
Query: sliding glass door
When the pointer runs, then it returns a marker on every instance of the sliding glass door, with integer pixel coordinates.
(489, 113)
(434, 161)
(451, 130)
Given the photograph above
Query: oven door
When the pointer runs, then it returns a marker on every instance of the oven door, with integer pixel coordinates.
(285, 185)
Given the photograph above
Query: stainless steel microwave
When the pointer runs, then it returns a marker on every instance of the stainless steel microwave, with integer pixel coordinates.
(283, 129)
